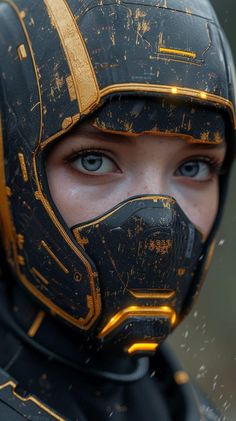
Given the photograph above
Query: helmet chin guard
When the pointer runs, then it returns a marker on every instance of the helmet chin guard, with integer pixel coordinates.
(146, 252)
(127, 69)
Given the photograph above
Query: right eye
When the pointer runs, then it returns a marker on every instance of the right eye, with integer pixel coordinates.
(95, 163)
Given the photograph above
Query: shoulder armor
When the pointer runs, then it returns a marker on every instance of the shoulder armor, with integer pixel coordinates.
(14, 407)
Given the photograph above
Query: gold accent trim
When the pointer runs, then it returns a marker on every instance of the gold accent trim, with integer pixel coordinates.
(135, 311)
(82, 72)
(21, 260)
(152, 294)
(23, 167)
(181, 271)
(140, 347)
(37, 402)
(175, 60)
(166, 89)
(36, 324)
(39, 275)
(181, 377)
(54, 257)
(22, 14)
(183, 53)
(168, 200)
(210, 256)
(67, 124)
(8, 191)
(20, 241)
(6, 222)
(71, 88)
(22, 53)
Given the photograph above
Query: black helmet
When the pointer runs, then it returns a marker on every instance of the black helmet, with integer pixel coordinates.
(133, 67)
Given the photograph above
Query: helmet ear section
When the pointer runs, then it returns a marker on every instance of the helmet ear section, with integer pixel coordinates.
(209, 247)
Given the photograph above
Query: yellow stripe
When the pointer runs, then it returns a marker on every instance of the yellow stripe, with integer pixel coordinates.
(151, 347)
(23, 167)
(5, 214)
(39, 275)
(82, 72)
(36, 324)
(54, 257)
(178, 52)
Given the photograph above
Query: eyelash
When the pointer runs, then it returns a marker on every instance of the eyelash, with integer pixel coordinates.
(215, 165)
(77, 154)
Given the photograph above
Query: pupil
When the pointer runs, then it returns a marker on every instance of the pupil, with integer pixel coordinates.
(190, 169)
(92, 162)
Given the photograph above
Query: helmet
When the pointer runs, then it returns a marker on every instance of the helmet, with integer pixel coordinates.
(128, 67)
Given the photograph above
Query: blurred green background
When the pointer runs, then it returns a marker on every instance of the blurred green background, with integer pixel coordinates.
(206, 340)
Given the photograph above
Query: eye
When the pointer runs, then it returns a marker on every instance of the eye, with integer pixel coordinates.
(196, 169)
(94, 162)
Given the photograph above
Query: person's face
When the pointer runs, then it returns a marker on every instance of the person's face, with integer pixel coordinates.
(89, 172)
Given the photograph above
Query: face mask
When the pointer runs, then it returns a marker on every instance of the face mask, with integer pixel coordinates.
(146, 252)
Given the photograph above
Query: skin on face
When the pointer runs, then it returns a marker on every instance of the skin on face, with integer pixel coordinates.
(90, 171)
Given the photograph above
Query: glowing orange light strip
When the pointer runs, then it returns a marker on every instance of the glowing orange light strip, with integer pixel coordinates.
(158, 294)
(142, 347)
(121, 316)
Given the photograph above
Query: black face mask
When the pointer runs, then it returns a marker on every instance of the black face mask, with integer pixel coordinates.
(146, 252)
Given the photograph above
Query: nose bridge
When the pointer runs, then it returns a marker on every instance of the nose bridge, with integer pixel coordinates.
(150, 180)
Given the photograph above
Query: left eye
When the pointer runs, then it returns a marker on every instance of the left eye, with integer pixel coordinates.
(96, 163)
(199, 170)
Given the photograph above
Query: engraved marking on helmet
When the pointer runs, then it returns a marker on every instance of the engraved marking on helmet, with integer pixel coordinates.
(20, 241)
(160, 246)
(181, 271)
(77, 277)
(54, 257)
(71, 88)
(8, 191)
(23, 167)
(22, 53)
(36, 324)
(21, 260)
(39, 275)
